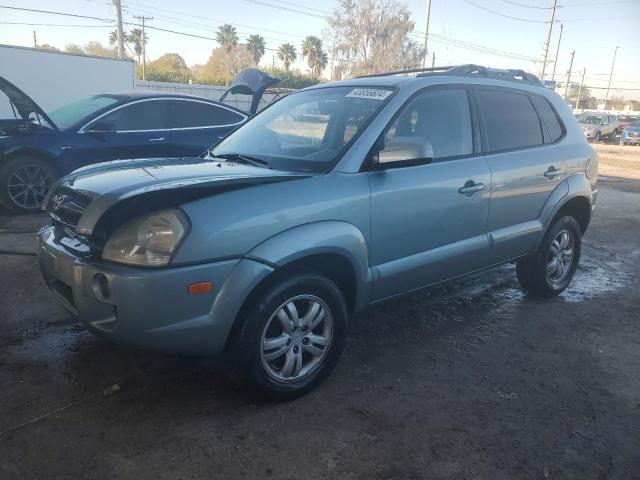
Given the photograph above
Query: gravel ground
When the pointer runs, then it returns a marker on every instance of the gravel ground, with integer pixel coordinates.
(473, 380)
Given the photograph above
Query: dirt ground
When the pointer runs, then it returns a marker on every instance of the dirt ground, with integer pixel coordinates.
(474, 380)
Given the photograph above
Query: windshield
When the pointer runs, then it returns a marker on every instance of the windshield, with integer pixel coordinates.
(306, 131)
(591, 120)
(70, 114)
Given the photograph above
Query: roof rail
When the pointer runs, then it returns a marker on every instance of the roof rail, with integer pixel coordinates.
(470, 70)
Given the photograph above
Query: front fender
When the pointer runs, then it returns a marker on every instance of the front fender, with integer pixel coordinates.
(325, 237)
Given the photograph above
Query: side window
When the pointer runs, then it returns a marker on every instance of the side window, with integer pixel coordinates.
(441, 117)
(549, 117)
(191, 114)
(147, 115)
(510, 120)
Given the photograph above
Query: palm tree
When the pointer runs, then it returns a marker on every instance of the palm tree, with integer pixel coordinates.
(287, 53)
(316, 57)
(227, 37)
(255, 44)
(135, 37)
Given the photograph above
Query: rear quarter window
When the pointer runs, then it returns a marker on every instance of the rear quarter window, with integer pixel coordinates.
(549, 117)
(194, 114)
(510, 120)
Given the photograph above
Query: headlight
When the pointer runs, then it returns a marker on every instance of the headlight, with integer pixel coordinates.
(149, 241)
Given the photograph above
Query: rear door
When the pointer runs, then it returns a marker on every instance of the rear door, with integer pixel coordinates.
(135, 130)
(518, 132)
(428, 222)
(196, 125)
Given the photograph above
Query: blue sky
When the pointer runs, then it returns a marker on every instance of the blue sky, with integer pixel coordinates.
(592, 28)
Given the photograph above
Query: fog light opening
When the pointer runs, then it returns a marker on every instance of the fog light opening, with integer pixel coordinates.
(101, 287)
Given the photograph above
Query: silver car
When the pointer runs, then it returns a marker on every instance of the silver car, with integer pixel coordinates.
(597, 127)
(334, 198)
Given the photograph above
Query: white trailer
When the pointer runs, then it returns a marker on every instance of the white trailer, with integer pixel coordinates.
(53, 79)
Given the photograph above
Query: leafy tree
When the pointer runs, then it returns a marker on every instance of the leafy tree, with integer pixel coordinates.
(74, 48)
(255, 44)
(170, 67)
(370, 36)
(227, 37)
(292, 78)
(113, 37)
(135, 37)
(222, 66)
(97, 49)
(316, 57)
(287, 53)
(46, 46)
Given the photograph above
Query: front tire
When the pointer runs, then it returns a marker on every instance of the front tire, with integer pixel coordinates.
(550, 270)
(292, 336)
(24, 183)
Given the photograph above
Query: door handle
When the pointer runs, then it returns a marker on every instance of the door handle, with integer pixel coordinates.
(159, 139)
(471, 187)
(552, 172)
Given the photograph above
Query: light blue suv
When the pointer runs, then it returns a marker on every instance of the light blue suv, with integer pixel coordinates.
(332, 199)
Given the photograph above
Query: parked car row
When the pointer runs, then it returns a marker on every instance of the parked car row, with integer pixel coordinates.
(37, 148)
(335, 198)
(598, 126)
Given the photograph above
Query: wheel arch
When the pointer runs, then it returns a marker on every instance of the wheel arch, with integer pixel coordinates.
(575, 199)
(14, 152)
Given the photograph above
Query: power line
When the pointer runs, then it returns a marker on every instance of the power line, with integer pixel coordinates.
(526, 6)
(56, 13)
(304, 6)
(478, 48)
(55, 25)
(501, 14)
(278, 7)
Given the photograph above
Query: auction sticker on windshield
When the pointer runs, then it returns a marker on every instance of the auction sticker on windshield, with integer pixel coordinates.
(372, 93)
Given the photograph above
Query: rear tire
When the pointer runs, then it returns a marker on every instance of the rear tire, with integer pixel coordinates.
(286, 352)
(24, 183)
(550, 270)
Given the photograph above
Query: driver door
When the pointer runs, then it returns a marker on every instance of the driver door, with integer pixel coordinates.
(429, 221)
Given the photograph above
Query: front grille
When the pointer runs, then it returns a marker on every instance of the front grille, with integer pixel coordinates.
(66, 206)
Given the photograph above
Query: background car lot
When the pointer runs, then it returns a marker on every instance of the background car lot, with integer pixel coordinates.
(471, 380)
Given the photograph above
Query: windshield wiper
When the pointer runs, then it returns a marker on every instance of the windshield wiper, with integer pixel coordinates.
(242, 158)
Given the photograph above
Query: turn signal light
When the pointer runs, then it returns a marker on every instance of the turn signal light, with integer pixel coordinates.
(200, 288)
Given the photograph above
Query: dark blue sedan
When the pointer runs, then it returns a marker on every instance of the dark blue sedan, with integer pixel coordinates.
(36, 147)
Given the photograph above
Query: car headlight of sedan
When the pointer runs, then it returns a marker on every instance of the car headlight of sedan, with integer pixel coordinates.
(149, 241)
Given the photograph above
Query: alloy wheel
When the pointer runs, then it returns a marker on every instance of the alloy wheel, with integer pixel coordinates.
(296, 338)
(561, 256)
(28, 185)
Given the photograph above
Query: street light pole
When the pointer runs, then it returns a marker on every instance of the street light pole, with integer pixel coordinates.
(606, 97)
(546, 44)
(144, 41)
(555, 63)
(584, 72)
(566, 87)
(119, 30)
(426, 34)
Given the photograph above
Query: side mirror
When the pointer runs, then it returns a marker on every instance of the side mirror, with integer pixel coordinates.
(100, 127)
(405, 151)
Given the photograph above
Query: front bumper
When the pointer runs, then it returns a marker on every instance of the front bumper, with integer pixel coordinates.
(148, 308)
(630, 139)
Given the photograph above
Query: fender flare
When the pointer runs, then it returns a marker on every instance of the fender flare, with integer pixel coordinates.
(323, 237)
(21, 149)
(574, 186)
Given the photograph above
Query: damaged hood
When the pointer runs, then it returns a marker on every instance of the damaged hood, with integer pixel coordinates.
(82, 198)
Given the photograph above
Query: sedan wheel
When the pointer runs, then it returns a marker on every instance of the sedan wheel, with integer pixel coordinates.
(27, 186)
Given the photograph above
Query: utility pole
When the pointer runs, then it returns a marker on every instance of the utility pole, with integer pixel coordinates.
(119, 30)
(144, 41)
(606, 97)
(553, 73)
(433, 59)
(566, 87)
(426, 34)
(549, 30)
(35, 41)
(584, 72)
